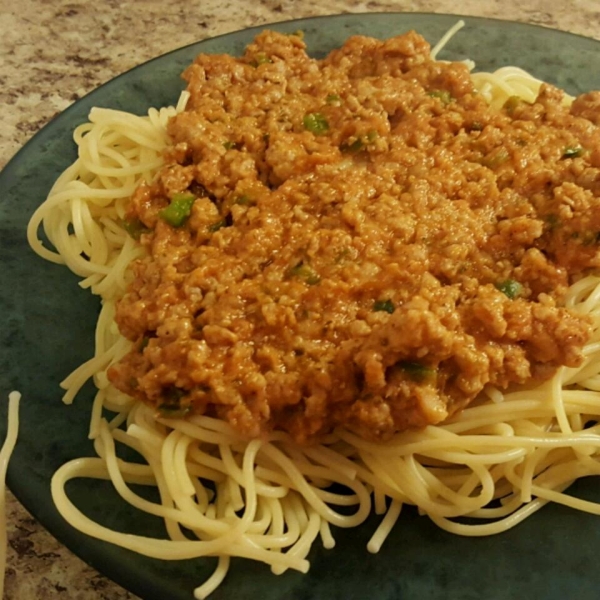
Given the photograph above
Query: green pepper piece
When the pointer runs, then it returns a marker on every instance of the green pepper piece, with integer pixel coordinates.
(171, 407)
(135, 228)
(356, 146)
(244, 200)
(572, 152)
(496, 158)
(260, 59)
(332, 99)
(510, 288)
(384, 306)
(304, 271)
(417, 371)
(315, 123)
(360, 142)
(552, 220)
(218, 225)
(443, 95)
(511, 103)
(342, 256)
(178, 212)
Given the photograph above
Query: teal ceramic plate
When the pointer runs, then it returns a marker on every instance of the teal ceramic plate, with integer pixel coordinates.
(47, 329)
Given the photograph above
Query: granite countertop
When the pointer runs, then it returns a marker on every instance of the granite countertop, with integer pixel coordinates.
(54, 51)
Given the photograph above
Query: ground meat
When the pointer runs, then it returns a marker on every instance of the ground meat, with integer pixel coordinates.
(368, 244)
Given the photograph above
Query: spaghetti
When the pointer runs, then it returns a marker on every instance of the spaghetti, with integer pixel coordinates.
(12, 432)
(270, 499)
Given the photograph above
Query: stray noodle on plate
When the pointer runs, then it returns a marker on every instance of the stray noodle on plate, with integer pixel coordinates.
(375, 270)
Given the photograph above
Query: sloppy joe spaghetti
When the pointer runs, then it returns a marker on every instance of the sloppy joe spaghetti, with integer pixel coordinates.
(269, 498)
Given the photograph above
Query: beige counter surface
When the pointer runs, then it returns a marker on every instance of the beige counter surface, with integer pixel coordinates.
(52, 52)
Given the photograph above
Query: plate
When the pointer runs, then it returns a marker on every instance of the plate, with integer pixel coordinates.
(47, 329)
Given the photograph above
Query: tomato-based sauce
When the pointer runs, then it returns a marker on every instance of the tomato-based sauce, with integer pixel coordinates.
(358, 241)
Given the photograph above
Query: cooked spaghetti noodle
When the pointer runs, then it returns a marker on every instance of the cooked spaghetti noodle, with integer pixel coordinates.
(270, 499)
(12, 432)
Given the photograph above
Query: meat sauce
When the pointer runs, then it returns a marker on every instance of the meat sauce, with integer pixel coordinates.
(358, 241)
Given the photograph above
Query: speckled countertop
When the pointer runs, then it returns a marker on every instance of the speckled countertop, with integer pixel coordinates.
(54, 51)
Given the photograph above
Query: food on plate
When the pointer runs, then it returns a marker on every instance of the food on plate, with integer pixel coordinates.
(360, 242)
(12, 430)
(377, 270)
